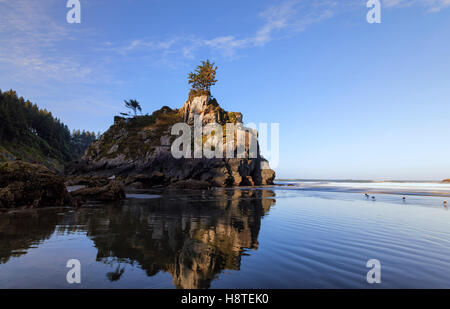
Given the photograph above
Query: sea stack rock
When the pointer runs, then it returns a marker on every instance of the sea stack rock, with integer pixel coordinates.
(142, 146)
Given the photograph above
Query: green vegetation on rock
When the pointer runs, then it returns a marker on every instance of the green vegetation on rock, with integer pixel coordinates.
(203, 77)
(141, 145)
(135, 137)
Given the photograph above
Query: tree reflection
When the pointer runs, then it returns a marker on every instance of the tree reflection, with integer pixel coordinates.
(189, 235)
(115, 275)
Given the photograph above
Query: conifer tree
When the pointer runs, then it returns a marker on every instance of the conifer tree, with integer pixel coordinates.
(203, 77)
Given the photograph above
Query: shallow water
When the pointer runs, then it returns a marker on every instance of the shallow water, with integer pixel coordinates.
(260, 238)
(430, 188)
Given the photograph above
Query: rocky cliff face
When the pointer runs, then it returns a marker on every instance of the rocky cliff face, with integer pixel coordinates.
(142, 146)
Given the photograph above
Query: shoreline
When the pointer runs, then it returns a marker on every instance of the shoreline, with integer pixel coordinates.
(444, 182)
(371, 192)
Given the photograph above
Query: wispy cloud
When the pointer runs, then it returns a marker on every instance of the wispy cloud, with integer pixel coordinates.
(277, 21)
(431, 5)
(283, 19)
(33, 43)
(153, 45)
(30, 39)
(41, 53)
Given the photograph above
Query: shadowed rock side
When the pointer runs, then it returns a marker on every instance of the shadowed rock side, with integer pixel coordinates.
(25, 184)
(193, 237)
(142, 145)
(28, 185)
(113, 191)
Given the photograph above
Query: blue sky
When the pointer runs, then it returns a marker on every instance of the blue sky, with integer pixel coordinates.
(354, 100)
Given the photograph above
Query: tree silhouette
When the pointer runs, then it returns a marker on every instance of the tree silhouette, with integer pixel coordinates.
(115, 275)
(134, 106)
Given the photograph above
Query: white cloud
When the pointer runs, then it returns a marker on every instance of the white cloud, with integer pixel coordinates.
(32, 42)
(154, 45)
(29, 42)
(276, 18)
(284, 19)
(281, 20)
(431, 5)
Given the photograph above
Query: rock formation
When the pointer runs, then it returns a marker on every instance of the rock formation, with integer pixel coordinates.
(28, 185)
(142, 146)
(113, 191)
(25, 184)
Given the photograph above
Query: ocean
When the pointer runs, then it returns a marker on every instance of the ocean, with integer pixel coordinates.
(297, 234)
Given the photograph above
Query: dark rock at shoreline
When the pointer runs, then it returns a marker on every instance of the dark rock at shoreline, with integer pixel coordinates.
(147, 180)
(24, 184)
(97, 188)
(267, 174)
(113, 191)
(135, 186)
(27, 185)
(91, 181)
(191, 185)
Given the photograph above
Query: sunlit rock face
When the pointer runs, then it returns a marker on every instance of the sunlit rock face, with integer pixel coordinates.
(142, 145)
(197, 106)
(192, 237)
(208, 110)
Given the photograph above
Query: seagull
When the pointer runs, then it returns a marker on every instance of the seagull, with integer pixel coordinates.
(367, 195)
(112, 177)
(373, 198)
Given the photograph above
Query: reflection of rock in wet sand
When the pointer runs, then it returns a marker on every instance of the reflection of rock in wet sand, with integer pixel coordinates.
(193, 238)
(217, 243)
(18, 232)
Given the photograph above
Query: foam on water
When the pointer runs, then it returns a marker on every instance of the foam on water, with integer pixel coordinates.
(387, 187)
